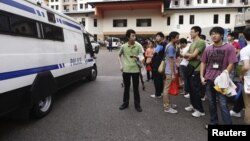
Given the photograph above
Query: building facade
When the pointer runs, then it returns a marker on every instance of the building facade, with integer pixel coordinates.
(104, 18)
(183, 14)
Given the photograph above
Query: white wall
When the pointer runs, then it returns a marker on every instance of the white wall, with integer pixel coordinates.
(89, 23)
(193, 3)
(203, 18)
(157, 21)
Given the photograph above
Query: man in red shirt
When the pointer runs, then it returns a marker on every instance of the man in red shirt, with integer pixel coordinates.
(231, 38)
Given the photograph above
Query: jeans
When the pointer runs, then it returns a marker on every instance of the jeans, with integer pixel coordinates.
(135, 79)
(238, 104)
(211, 95)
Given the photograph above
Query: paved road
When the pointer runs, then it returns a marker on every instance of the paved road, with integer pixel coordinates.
(88, 111)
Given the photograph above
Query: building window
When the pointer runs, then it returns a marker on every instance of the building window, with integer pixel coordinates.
(198, 1)
(216, 19)
(81, 6)
(187, 2)
(205, 1)
(83, 21)
(245, 2)
(176, 2)
(120, 23)
(191, 20)
(52, 0)
(227, 19)
(74, 7)
(52, 6)
(168, 20)
(95, 37)
(57, 7)
(86, 6)
(214, 1)
(230, 1)
(181, 19)
(66, 8)
(95, 22)
(240, 10)
(143, 22)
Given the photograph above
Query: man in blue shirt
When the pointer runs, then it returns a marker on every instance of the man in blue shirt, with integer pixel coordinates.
(170, 71)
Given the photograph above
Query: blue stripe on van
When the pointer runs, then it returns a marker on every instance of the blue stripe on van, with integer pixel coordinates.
(43, 14)
(38, 12)
(18, 5)
(20, 73)
(71, 25)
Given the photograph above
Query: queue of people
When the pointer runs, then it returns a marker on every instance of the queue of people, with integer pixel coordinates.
(197, 64)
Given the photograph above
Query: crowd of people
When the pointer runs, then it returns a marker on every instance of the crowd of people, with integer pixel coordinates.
(203, 70)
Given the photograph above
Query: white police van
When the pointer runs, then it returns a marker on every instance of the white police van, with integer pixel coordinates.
(41, 51)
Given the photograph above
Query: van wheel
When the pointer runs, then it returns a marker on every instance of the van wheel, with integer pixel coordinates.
(93, 74)
(42, 107)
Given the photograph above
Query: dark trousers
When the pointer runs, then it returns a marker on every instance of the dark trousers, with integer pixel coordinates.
(110, 49)
(158, 82)
(183, 70)
(135, 80)
(196, 91)
(148, 75)
(238, 104)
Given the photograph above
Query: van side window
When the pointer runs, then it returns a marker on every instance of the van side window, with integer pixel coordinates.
(88, 46)
(52, 32)
(87, 43)
(51, 17)
(5, 23)
(23, 26)
(115, 40)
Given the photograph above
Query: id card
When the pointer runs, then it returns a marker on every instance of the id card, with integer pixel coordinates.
(215, 66)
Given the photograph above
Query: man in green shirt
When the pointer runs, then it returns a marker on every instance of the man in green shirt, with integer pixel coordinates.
(130, 53)
(196, 88)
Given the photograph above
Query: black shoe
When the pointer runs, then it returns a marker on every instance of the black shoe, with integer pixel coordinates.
(123, 106)
(138, 108)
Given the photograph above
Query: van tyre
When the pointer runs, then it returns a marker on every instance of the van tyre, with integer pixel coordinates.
(93, 74)
(42, 107)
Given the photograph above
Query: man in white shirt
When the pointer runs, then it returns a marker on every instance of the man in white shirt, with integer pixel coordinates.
(183, 65)
(245, 71)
